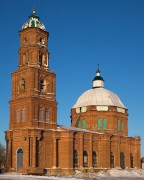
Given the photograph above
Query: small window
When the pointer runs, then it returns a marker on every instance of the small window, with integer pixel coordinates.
(40, 114)
(23, 115)
(99, 124)
(18, 115)
(77, 110)
(46, 115)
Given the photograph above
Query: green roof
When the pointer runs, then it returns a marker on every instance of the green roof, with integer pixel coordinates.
(98, 78)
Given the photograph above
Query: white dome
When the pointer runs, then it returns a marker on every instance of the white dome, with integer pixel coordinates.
(99, 96)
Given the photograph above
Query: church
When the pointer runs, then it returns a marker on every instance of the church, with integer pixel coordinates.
(98, 136)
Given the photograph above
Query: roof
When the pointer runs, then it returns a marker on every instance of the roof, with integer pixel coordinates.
(34, 22)
(69, 128)
(98, 78)
(98, 96)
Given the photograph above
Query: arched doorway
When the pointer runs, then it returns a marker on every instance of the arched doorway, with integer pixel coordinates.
(131, 160)
(19, 159)
(122, 160)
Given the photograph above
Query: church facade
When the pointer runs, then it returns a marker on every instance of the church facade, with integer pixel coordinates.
(36, 144)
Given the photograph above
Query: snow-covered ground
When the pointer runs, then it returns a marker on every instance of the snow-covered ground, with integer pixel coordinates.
(112, 174)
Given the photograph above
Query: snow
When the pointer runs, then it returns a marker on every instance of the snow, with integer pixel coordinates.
(127, 174)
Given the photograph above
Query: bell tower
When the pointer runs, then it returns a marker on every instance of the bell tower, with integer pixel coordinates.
(33, 103)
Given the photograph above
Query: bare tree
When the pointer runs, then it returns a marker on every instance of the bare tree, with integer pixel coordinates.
(2, 155)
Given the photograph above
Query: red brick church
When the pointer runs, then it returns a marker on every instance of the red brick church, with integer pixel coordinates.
(36, 144)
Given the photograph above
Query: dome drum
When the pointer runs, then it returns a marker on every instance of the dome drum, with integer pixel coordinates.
(100, 109)
(114, 120)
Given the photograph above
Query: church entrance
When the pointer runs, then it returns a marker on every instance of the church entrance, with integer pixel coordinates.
(19, 159)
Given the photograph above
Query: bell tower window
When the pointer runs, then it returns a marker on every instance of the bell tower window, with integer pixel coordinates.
(42, 85)
(23, 59)
(25, 40)
(40, 39)
(18, 115)
(22, 84)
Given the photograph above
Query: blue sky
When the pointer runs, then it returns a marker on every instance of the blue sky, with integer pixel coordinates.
(83, 33)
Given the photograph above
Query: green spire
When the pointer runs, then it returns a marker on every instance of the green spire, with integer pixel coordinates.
(34, 15)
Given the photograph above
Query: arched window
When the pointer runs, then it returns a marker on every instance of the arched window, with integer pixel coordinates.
(122, 160)
(111, 160)
(75, 159)
(105, 124)
(85, 159)
(43, 59)
(94, 159)
(23, 115)
(18, 115)
(23, 59)
(131, 160)
(22, 84)
(99, 124)
(40, 39)
(42, 85)
(46, 115)
(40, 114)
(19, 159)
